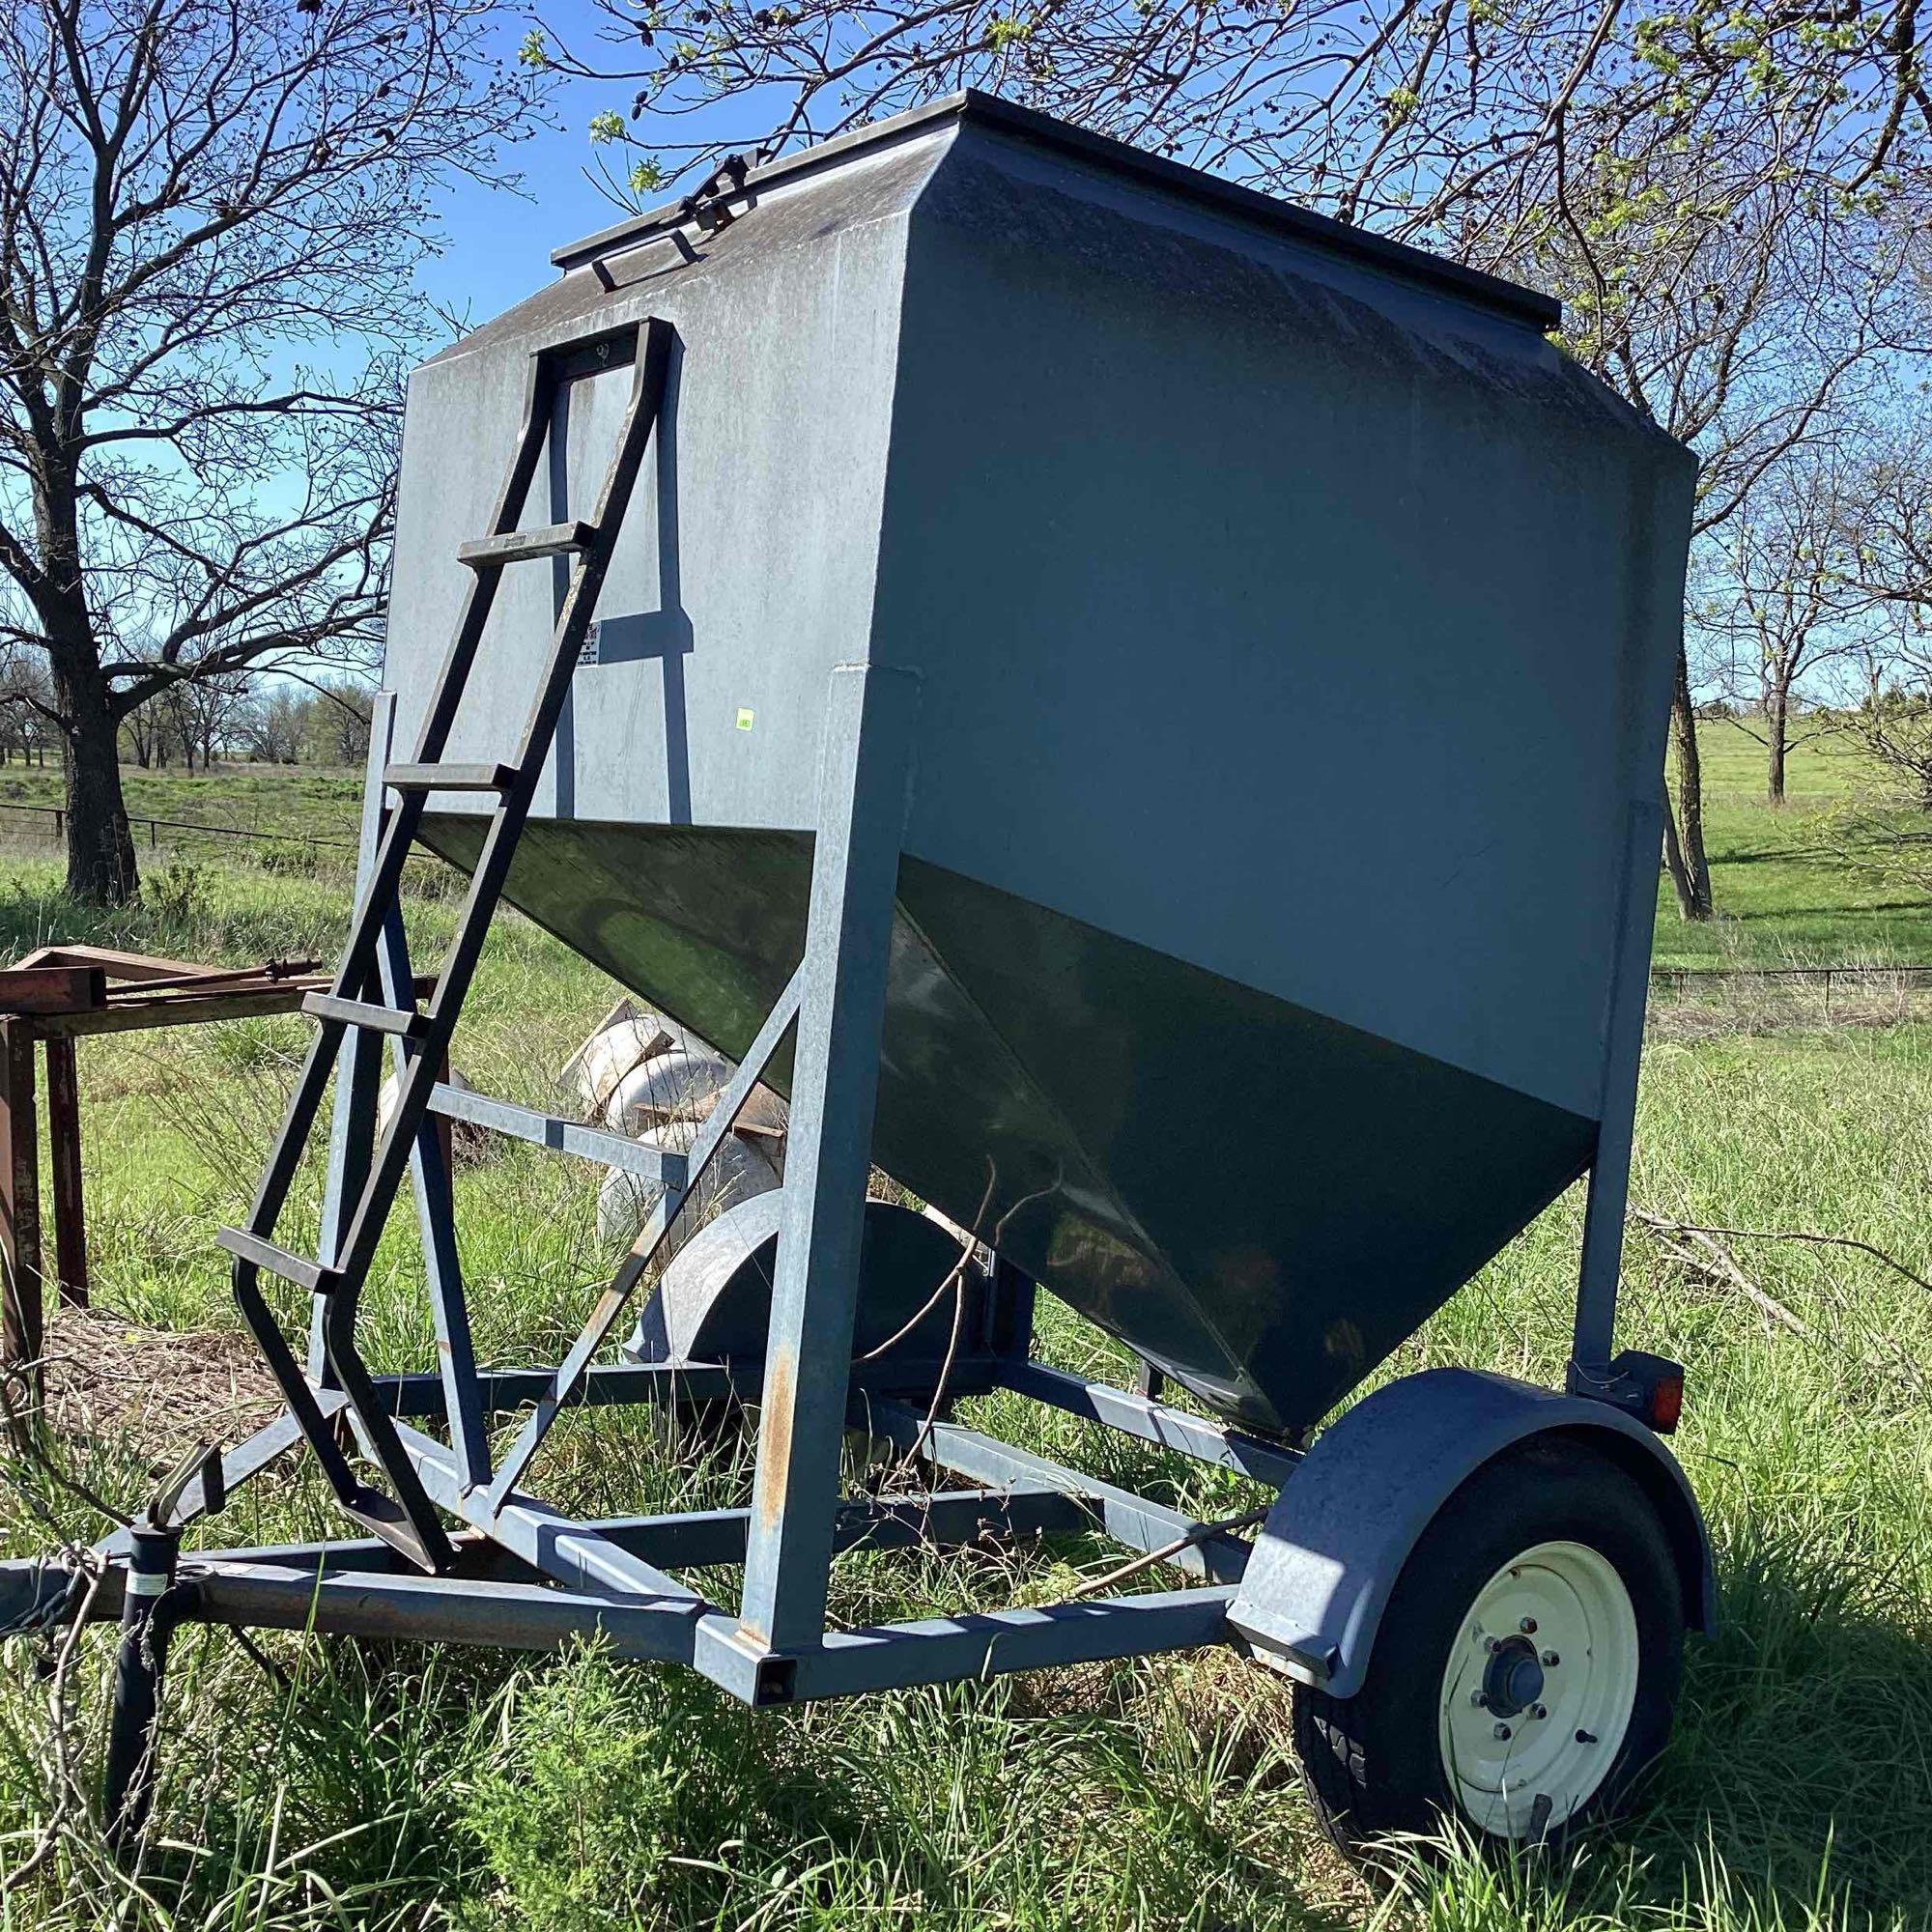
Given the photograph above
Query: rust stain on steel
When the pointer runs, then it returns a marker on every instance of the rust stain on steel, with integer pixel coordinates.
(775, 1427)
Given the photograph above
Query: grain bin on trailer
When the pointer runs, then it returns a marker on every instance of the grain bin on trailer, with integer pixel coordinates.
(1139, 709)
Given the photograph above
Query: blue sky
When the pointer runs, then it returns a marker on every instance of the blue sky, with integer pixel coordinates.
(498, 244)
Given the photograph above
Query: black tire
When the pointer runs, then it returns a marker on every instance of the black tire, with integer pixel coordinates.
(1372, 1763)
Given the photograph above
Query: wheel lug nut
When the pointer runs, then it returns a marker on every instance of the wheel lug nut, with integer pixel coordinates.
(1479, 1699)
(1492, 1643)
(1502, 1730)
(1528, 1626)
(1551, 1659)
(1538, 1711)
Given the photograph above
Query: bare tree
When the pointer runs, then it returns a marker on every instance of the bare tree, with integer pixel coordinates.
(1885, 526)
(340, 715)
(1780, 598)
(1887, 511)
(210, 214)
(1727, 198)
(145, 730)
(270, 726)
(23, 699)
(203, 714)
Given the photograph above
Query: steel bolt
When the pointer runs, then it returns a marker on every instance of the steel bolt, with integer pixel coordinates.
(1502, 1730)
(1551, 1659)
(1480, 1698)
(1492, 1643)
(1528, 1626)
(1538, 1711)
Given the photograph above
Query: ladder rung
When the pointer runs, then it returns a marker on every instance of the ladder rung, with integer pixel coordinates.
(519, 546)
(265, 1254)
(361, 1014)
(450, 777)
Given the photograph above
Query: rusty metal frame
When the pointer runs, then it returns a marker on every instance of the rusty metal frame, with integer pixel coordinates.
(53, 998)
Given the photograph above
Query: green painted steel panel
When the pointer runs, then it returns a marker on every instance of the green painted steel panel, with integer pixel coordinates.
(1257, 1198)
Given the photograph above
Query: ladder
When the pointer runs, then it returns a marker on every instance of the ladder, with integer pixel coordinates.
(374, 992)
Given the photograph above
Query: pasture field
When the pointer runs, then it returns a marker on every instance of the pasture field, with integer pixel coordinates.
(1786, 893)
(329, 1783)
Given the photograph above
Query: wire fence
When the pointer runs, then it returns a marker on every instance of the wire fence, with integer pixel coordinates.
(56, 818)
(1676, 979)
(156, 826)
(1691, 1002)
(1883, 972)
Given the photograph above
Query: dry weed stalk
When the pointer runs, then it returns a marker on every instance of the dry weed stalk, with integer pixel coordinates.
(1704, 1251)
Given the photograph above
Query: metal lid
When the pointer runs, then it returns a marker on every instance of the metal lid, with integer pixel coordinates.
(1396, 258)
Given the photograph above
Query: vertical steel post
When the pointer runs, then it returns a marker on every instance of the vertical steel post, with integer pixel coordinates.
(1593, 1342)
(127, 1775)
(20, 1310)
(863, 774)
(64, 1161)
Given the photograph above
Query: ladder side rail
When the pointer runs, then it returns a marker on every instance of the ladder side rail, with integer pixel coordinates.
(372, 962)
(424, 1542)
(432, 1184)
(405, 817)
(446, 691)
(299, 1393)
(359, 1075)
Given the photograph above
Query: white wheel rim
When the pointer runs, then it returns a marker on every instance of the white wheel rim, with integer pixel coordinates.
(1560, 1600)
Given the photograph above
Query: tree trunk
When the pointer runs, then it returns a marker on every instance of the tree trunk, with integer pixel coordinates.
(100, 867)
(1777, 735)
(1673, 853)
(1692, 874)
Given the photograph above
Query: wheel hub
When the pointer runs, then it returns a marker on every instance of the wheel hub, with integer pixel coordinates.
(1513, 1679)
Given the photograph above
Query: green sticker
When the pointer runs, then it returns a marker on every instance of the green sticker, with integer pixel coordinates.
(744, 719)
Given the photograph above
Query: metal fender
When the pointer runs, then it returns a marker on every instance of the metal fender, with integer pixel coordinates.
(1314, 1592)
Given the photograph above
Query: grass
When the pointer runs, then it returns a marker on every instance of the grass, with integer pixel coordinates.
(1784, 892)
(414, 1787)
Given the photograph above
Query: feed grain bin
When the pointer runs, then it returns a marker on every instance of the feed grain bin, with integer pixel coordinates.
(1293, 624)
(1140, 710)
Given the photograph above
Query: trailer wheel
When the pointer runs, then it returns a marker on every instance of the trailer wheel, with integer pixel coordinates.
(1526, 1667)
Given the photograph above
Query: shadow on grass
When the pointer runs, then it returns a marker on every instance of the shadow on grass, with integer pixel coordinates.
(1772, 855)
(1803, 1741)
